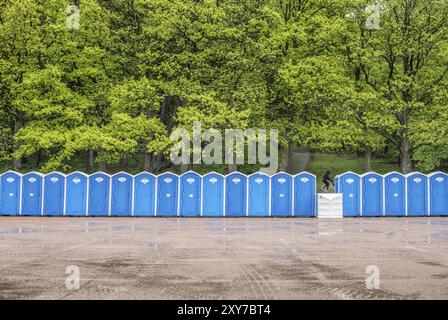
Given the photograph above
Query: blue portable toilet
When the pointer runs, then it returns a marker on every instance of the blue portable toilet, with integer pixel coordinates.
(349, 184)
(76, 194)
(190, 194)
(417, 194)
(167, 194)
(144, 194)
(121, 197)
(213, 195)
(305, 195)
(258, 196)
(394, 197)
(10, 193)
(32, 194)
(281, 195)
(438, 191)
(336, 184)
(54, 194)
(236, 192)
(99, 187)
(372, 195)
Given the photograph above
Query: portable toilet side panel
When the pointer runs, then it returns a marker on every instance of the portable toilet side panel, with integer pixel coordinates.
(167, 193)
(54, 185)
(213, 195)
(350, 188)
(76, 197)
(372, 195)
(190, 195)
(99, 185)
(258, 197)
(394, 198)
(417, 195)
(121, 197)
(236, 195)
(144, 194)
(31, 194)
(281, 195)
(10, 186)
(438, 194)
(304, 195)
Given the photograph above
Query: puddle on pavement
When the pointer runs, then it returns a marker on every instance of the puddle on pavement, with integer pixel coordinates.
(150, 245)
(440, 235)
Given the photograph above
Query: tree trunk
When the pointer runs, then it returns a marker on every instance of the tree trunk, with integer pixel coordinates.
(148, 156)
(405, 155)
(17, 162)
(90, 165)
(232, 168)
(156, 161)
(368, 159)
(125, 164)
(39, 159)
(286, 153)
(102, 166)
(147, 163)
(183, 168)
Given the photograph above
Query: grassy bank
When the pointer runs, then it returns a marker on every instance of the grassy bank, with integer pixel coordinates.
(337, 164)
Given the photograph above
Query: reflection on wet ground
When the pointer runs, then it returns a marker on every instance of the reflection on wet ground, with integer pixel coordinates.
(233, 258)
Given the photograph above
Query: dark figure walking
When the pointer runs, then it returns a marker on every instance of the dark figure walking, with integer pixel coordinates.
(327, 179)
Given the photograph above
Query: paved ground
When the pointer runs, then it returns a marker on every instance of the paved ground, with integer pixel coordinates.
(223, 258)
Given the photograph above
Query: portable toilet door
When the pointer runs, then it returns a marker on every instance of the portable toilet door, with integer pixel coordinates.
(236, 185)
(258, 196)
(305, 195)
(438, 190)
(213, 195)
(99, 189)
(76, 194)
(394, 198)
(190, 195)
(32, 194)
(417, 194)
(144, 194)
(281, 195)
(372, 195)
(54, 194)
(167, 195)
(350, 187)
(121, 197)
(10, 187)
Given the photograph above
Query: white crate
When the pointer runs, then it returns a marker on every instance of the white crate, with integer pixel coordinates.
(329, 206)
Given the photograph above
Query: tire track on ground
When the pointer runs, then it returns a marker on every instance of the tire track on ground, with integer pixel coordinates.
(259, 286)
(327, 279)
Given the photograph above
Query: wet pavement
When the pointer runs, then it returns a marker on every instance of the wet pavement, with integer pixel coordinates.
(245, 258)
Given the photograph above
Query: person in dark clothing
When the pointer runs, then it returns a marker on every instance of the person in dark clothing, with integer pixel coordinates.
(327, 179)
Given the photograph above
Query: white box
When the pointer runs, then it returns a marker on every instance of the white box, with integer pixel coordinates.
(329, 206)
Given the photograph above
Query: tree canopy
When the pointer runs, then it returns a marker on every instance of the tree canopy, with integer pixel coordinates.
(351, 76)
